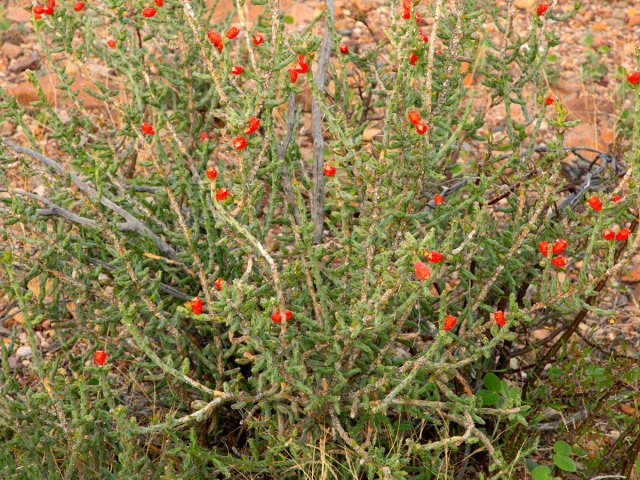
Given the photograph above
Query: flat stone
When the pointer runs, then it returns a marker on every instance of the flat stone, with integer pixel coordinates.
(18, 15)
(24, 351)
(11, 51)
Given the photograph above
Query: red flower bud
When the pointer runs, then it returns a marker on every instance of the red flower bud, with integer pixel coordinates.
(293, 74)
(252, 126)
(302, 66)
(239, 143)
(438, 199)
(421, 128)
(257, 39)
(277, 318)
(559, 246)
(434, 256)
(449, 322)
(616, 198)
(544, 248)
(549, 101)
(329, 170)
(78, 6)
(413, 58)
(559, 261)
(100, 356)
(499, 318)
(221, 194)
(219, 283)
(212, 173)
(414, 117)
(543, 7)
(595, 203)
(423, 272)
(236, 70)
(623, 234)
(196, 305)
(204, 136)
(608, 234)
(158, 3)
(232, 33)
(406, 13)
(148, 12)
(111, 43)
(633, 77)
(216, 40)
(147, 128)
(344, 48)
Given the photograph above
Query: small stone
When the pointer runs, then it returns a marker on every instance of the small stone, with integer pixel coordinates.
(634, 21)
(24, 351)
(11, 51)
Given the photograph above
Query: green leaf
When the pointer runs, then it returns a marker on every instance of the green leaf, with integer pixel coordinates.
(491, 382)
(562, 448)
(564, 463)
(541, 473)
(288, 19)
(488, 398)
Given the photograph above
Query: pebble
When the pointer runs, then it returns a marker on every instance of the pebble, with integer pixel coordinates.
(24, 351)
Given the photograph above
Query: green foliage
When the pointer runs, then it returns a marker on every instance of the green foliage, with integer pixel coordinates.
(363, 381)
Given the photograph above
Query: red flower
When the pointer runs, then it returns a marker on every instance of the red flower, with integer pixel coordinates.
(78, 6)
(329, 170)
(196, 305)
(438, 199)
(421, 128)
(543, 7)
(232, 33)
(423, 272)
(418, 17)
(216, 40)
(158, 3)
(449, 322)
(239, 143)
(499, 318)
(111, 43)
(302, 66)
(148, 12)
(236, 70)
(549, 101)
(623, 234)
(277, 318)
(204, 136)
(344, 48)
(212, 173)
(595, 203)
(100, 356)
(633, 77)
(147, 128)
(293, 74)
(221, 194)
(219, 283)
(257, 39)
(608, 234)
(406, 13)
(47, 10)
(559, 261)
(52, 3)
(559, 246)
(413, 58)
(38, 10)
(425, 39)
(252, 126)
(434, 256)
(414, 117)
(544, 248)
(616, 198)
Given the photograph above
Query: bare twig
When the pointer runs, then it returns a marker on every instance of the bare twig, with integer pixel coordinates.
(317, 195)
(132, 224)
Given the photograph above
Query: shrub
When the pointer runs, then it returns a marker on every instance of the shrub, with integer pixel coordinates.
(363, 380)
